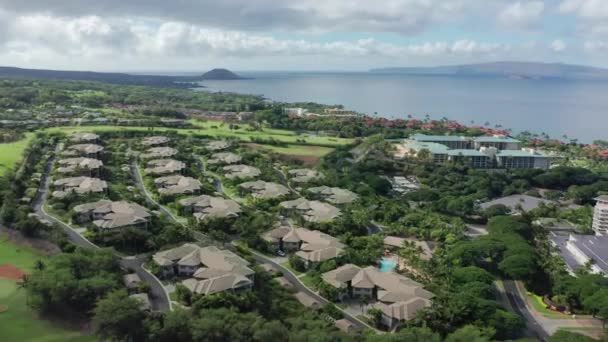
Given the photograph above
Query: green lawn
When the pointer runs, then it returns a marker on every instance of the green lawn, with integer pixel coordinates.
(308, 281)
(288, 266)
(299, 150)
(11, 153)
(19, 322)
(215, 130)
(540, 307)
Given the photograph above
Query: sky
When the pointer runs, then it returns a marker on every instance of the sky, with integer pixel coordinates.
(350, 35)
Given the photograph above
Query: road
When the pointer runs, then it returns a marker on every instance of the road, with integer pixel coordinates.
(518, 304)
(139, 182)
(158, 296)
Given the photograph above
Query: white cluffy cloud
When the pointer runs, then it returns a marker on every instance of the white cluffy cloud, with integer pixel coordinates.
(558, 45)
(522, 14)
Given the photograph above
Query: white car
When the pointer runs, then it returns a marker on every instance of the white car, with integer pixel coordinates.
(281, 253)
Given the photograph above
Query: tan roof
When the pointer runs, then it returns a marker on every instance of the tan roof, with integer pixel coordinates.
(334, 195)
(307, 237)
(307, 300)
(285, 282)
(320, 254)
(312, 211)
(217, 145)
(303, 175)
(172, 185)
(115, 214)
(131, 280)
(164, 166)
(159, 152)
(217, 284)
(392, 287)
(224, 158)
(72, 164)
(345, 325)
(264, 190)
(403, 311)
(211, 207)
(241, 171)
(153, 141)
(83, 149)
(426, 247)
(79, 185)
(83, 137)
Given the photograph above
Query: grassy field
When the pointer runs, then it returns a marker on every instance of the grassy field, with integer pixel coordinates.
(19, 322)
(11, 153)
(297, 150)
(214, 129)
(540, 307)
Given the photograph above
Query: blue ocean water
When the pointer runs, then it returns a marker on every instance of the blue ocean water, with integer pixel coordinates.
(578, 109)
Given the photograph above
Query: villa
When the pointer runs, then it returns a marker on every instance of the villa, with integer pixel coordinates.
(84, 137)
(78, 185)
(312, 211)
(217, 145)
(312, 246)
(155, 141)
(425, 247)
(241, 171)
(304, 175)
(108, 215)
(85, 150)
(177, 185)
(208, 270)
(72, 165)
(164, 167)
(204, 207)
(398, 297)
(333, 195)
(159, 152)
(224, 158)
(132, 282)
(264, 190)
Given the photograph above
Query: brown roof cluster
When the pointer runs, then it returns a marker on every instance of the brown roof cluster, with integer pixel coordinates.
(312, 211)
(78, 185)
(159, 152)
(304, 175)
(211, 207)
(334, 195)
(72, 164)
(164, 166)
(111, 215)
(155, 141)
(82, 149)
(315, 246)
(224, 158)
(176, 185)
(241, 171)
(264, 190)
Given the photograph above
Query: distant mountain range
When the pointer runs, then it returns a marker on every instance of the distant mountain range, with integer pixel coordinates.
(119, 78)
(525, 70)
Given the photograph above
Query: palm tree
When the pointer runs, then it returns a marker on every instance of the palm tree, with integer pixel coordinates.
(39, 265)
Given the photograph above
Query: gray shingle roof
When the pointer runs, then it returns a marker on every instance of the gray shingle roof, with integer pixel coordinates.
(164, 166)
(312, 211)
(264, 190)
(112, 215)
(159, 152)
(211, 207)
(154, 141)
(223, 158)
(241, 171)
(334, 195)
(174, 185)
(527, 202)
(71, 164)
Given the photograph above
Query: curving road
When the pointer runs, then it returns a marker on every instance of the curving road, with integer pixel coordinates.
(159, 298)
(518, 304)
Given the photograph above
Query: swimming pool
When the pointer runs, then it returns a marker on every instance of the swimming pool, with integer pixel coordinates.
(387, 265)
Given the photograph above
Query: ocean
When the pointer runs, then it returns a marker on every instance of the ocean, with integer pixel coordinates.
(578, 109)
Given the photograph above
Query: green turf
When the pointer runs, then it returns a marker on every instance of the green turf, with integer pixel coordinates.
(299, 150)
(19, 322)
(11, 153)
(215, 129)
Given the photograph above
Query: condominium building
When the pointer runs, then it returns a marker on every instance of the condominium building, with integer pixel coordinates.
(600, 216)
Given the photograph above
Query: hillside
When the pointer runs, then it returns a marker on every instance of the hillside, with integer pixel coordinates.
(119, 78)
(528, 70)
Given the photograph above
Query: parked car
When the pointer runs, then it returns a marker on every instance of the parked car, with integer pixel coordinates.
(281, 253)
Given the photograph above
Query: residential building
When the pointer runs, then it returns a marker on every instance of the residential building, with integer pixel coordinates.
(500, 142)
(333, 195)
(177, 185)
(517, 203)
(204, 207)
(79, 186)
(600, 215)
(218, 145)
(224, 158)
(472, 158)
(308, 301)
(312, 211)
(164, 167)
(526, 158)
(155, 141)
(241, 171)
(159, 152)
(82, 137)
(208, 270)
(425, 247)
(345, 326)
(338, 111)
(131, 282)
(74, 165)
(107, 215)
(312, 246)
(295, 111)
(84, 150)
(264, 190)
(453, 142)
(398, 297)
(303, 175)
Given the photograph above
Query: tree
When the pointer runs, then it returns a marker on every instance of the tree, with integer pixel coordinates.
(470, 333)
(569, 336)
(375, 315)
(183, 294)
(469, 274)
(118, 317)
(597, 304)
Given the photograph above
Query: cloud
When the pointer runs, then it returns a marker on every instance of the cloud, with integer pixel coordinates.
(596, 47)
(522, 14)
(593, 9)
(558, 45)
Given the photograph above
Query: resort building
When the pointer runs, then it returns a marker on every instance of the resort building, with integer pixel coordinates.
(207, 207)
(295, 111)
(304, 175)
(75, 165)
(333, 195)
(517, 203)
(224, 158)
(499, 142)
(527, 158)
(159, 153)
(209, 269)
(311, 246)
(218, 145)
(600, 216)
(84, 150)
(241, 171)
(155, 141)
(425, 247)
(108, 215)
(398, 297)
(83, 137)
(177, 185)
(164, 167)
(311, 211)
(264, 190)
(79, 186)
(450, 141)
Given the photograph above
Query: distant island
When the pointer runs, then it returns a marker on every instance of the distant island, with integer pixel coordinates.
(523, 70)
(120, 78)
